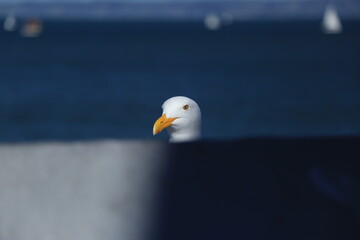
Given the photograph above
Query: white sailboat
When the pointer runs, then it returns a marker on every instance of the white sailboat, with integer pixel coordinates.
(331, 23)
(10, 23)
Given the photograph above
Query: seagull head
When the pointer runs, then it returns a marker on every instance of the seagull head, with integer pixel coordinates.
(182, 119)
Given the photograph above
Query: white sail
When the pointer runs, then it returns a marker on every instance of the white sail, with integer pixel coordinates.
(10, 23)
(331, 22)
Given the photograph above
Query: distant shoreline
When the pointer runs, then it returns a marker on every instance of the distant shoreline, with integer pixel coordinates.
(246, 10)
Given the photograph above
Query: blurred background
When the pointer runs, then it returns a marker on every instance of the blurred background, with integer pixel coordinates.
(86, 69)
(278, 83)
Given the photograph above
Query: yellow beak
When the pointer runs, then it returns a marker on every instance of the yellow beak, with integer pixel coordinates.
(162, 123)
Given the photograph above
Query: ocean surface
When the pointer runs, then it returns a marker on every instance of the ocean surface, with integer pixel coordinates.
(96, 80)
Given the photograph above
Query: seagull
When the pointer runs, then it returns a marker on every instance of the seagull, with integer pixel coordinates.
(182, 119)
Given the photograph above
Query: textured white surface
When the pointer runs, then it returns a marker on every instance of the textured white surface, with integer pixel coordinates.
(95, 190)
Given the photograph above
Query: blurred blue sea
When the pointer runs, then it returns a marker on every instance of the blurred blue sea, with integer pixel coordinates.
(91, 80)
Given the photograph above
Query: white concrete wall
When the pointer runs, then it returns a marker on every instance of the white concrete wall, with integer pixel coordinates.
(72, 191)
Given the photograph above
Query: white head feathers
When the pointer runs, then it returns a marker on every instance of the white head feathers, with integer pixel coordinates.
(182, 119)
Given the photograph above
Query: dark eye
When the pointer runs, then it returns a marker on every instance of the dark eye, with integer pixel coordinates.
(186, 107)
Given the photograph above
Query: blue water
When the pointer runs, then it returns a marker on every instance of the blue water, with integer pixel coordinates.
(88, 80)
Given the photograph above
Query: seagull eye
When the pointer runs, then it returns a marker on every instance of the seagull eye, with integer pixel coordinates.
(186, 107)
